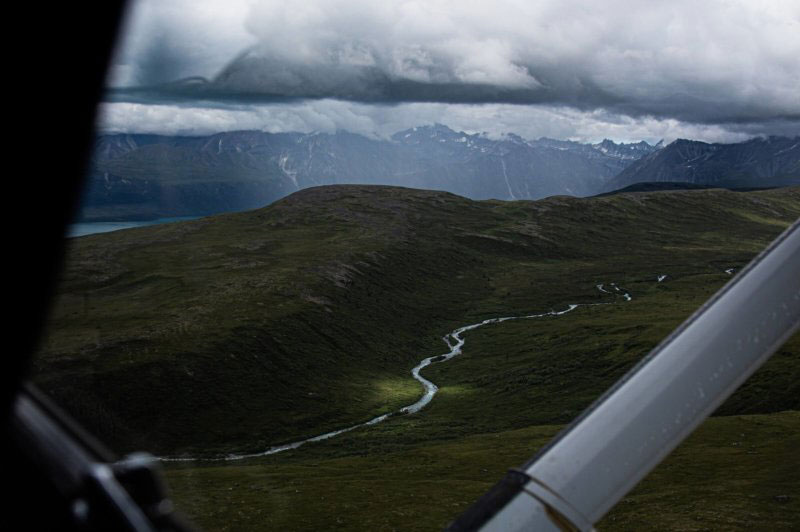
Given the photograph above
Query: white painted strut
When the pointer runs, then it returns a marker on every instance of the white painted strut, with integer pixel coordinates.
(579, 476)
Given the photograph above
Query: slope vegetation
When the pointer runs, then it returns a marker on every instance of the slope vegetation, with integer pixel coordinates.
(240, 331)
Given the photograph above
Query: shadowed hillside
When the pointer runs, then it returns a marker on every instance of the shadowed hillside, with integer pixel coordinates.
(244, 330)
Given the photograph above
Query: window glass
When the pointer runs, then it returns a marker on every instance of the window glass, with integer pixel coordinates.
(343, 264)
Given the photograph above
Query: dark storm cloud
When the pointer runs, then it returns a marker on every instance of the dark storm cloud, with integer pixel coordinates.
(267, 80)
(714, 62)
(165, 40)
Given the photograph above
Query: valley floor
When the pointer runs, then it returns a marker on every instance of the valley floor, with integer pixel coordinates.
(734, 473)
(419, 472)
(235, 333)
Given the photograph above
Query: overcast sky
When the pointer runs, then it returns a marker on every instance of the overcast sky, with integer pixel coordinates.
(714, 70)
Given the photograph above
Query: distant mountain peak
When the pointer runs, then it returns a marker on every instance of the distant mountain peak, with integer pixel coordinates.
(629, 151)
(157, 175)
(436, 129)
(752, 163)
(513, 137)
(679, 141)
(420, 133)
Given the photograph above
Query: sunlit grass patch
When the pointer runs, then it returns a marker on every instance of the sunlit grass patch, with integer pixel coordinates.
(397, 390)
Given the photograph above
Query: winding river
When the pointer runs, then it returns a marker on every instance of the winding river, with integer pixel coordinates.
(454, 341)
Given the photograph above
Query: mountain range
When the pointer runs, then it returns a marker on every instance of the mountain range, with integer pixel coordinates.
(760, 162)
(136, 176)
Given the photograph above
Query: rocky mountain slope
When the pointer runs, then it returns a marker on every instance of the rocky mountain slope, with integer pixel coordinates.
(149, 176)
(759, 162)
(152, 176)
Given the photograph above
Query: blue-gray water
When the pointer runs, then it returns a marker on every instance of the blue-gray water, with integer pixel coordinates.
(90, 228)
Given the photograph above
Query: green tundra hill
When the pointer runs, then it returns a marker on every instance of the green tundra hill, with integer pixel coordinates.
(237, 332)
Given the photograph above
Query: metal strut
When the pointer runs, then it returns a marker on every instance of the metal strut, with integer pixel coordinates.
(607, 450)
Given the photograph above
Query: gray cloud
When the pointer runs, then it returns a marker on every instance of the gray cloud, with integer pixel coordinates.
(729, 62)
(382, 121)
(172, 39)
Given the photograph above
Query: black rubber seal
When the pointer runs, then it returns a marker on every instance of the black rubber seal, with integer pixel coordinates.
(491, 502)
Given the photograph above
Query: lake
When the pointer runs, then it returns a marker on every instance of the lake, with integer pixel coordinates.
(90, 228)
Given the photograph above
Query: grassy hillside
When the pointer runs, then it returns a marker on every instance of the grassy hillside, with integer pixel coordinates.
(734, 473)
(496, 407)
(239, 331)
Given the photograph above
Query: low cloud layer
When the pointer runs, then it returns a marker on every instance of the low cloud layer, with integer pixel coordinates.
(382, 121)
(726, 63)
